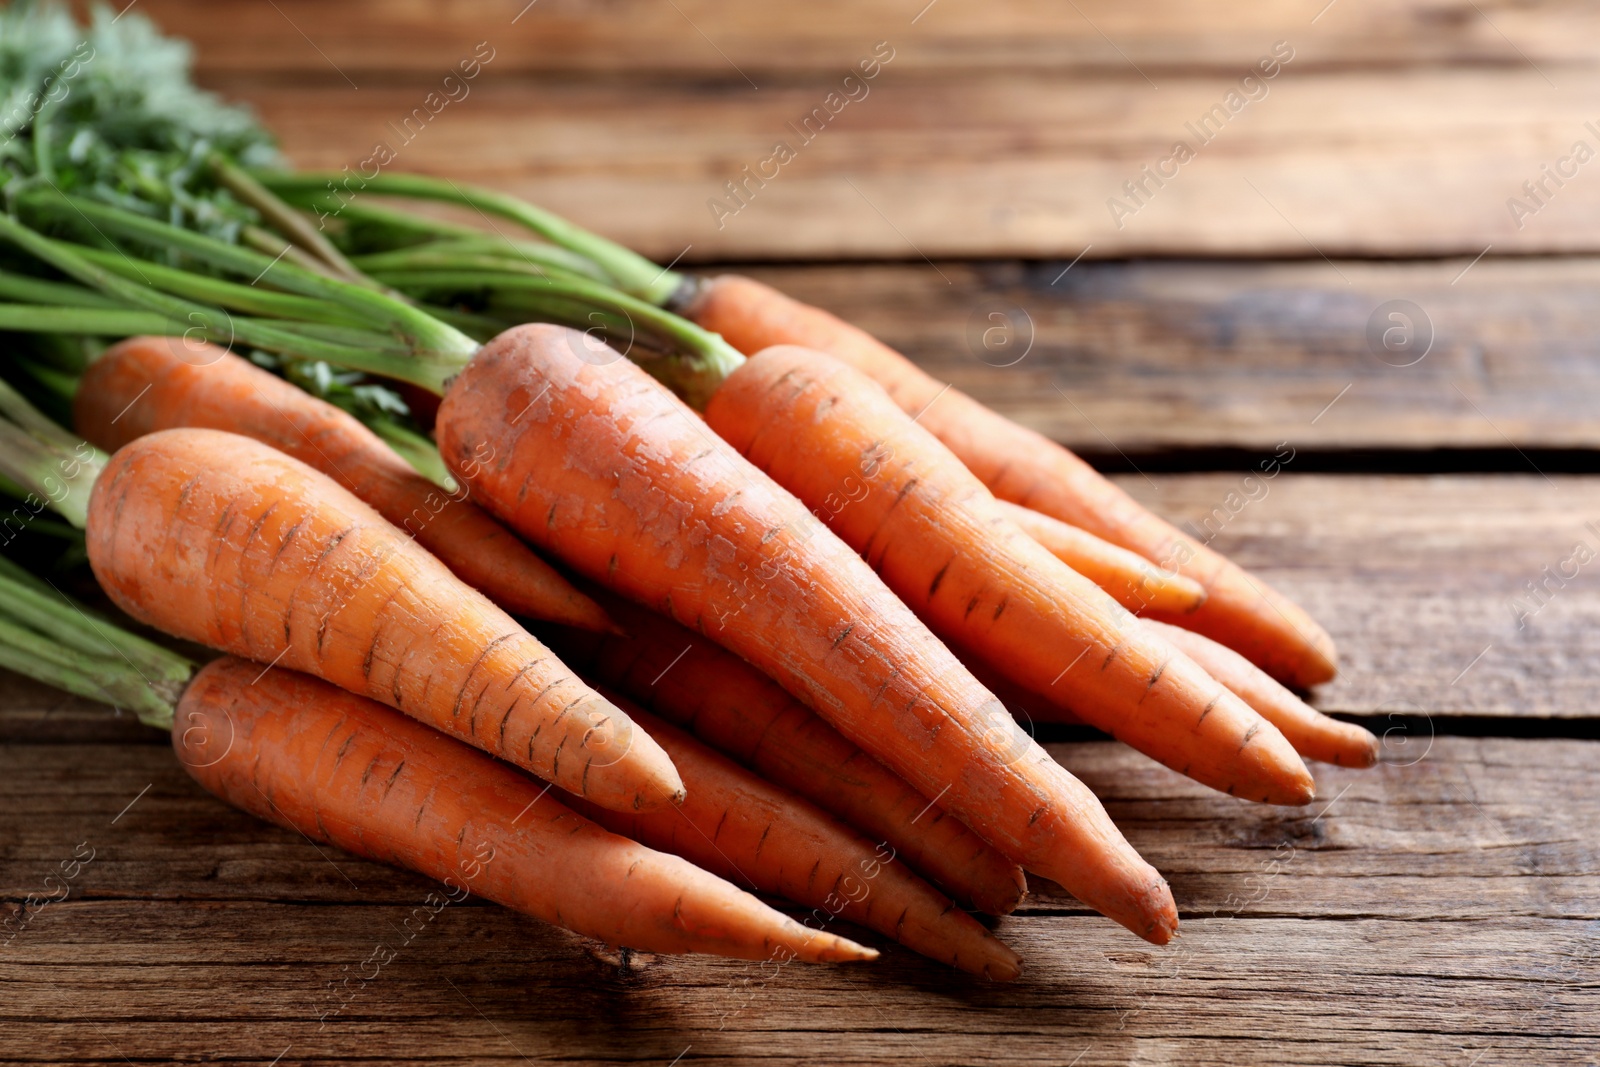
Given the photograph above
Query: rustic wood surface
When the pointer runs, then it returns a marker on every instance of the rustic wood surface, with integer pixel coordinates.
(1439, 909)
(995, 129)
(1441, 906)
(1132, 358)
(1435, 909)
(993, 163)
(707, 38)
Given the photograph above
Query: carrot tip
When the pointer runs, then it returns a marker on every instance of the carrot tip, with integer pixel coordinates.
(998, 973)
(843, 950)
(997, 904)
(1368, 753)
(1003, 964)
(1303, 792)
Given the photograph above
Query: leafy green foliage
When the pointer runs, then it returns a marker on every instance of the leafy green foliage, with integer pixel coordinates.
(110, 111)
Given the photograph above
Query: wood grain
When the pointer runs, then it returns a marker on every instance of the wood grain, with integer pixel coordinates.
(1151, 356)
(709, 38)
(1429, 908)
(1420, 580)
(1002, 163)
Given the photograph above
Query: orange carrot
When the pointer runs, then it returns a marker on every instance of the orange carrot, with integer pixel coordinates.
(1133, 581)
(1019, 465)
(227, 542)
(1313, 734)
(892, 492)
(146, 384)
(758, 835)
(346, 771)
(601, 466)
(695, 684)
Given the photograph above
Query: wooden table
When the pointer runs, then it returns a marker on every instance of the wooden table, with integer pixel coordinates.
(1443, 908)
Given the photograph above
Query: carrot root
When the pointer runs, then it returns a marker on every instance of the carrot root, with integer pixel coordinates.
(228, 542)
(698, 686)
(937, 536)
(1313, 734)
(344, 770)
(145, 384)
(1133, 581)
(601, 466)
(1026, 468)
(751, 832)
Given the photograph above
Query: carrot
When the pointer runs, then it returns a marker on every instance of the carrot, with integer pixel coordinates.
(603, 467)
(227, 542)
(892, 492)
(1019, 465)
(754, 833)
(347, 771)
(146, 384)
(695, 684)
(1313, 734)
(1133, 581)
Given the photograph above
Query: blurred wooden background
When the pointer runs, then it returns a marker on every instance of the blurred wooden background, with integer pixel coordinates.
(997, 129)
(1440, 909)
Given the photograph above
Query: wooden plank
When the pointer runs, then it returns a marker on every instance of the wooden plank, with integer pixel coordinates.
(1420, 580)
(709, 38)
(993, 164)
(1150, 356)
(1423, 581)
(1427, 909)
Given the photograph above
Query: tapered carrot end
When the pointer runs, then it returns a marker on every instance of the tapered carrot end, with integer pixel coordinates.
(1159, 911)
(1298, 792)
(1343, 744)
(1361, 746)
(1183, 595)
(1003, 895)
(814, 946)
(627, 769)
(998, 963)
(1267, 768)
(1322, 665)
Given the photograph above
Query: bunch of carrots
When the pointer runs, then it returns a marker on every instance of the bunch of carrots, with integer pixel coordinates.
(729, 597)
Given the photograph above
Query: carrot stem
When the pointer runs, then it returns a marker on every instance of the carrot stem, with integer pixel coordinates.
(380, 310)
(702, 359)
(223, 293)
(56, 476)
(100, 322)
(39, 291)
(35, 642)
(626, 268)
(53, 614)
(25, 416)
(289, 223)
(415, 449)
(482, 253)
(273, 244)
